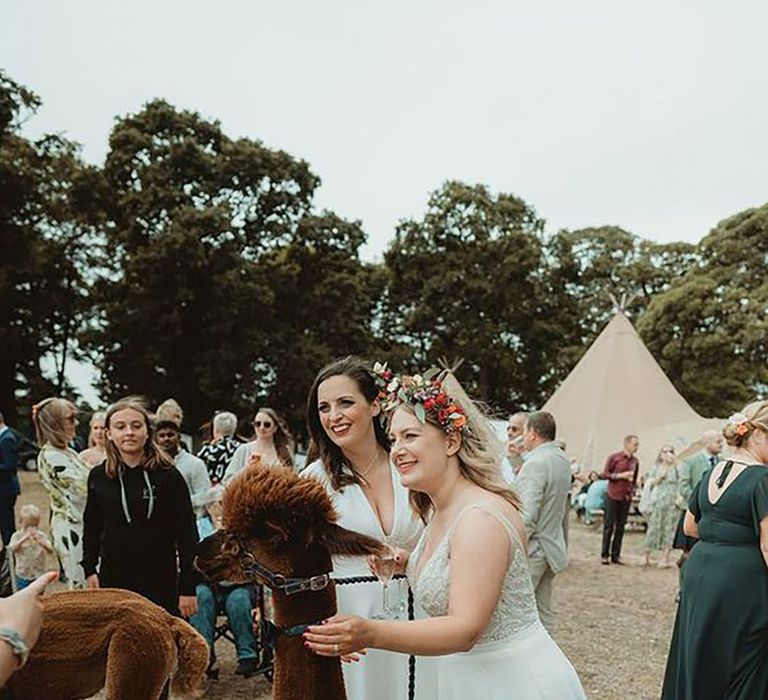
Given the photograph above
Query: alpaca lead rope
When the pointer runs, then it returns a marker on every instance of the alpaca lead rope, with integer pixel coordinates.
(411, 658)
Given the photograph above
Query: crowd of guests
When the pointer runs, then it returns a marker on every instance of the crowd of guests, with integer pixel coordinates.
(129, 509)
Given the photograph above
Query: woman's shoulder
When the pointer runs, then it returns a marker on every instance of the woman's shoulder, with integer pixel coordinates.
(317, 471)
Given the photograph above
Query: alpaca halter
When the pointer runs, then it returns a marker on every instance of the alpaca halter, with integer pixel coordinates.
(254, 570)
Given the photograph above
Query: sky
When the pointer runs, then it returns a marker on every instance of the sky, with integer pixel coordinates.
(646, 115)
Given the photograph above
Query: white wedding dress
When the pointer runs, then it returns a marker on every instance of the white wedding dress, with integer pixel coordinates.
(380, 675)
(515, 659)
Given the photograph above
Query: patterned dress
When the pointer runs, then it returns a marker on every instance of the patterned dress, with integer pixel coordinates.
(664, 515)
(515, 659)
(65, 478)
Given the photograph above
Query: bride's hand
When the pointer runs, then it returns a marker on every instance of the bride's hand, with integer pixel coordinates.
(353, 658)
(340, 635)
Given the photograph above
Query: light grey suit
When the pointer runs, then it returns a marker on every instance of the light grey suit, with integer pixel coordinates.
(544, 484)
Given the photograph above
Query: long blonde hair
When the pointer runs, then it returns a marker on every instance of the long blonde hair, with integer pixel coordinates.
(154, 457)
(480, 454)
(48, 417)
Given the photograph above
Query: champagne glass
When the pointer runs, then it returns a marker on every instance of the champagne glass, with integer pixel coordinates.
(384, 566)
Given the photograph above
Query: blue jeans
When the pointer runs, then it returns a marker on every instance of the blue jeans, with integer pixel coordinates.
(236, 601)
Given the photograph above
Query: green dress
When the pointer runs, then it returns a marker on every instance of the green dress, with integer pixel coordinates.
(664, 515)
(719, 648)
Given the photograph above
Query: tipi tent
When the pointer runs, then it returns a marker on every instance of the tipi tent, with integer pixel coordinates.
(617, 389)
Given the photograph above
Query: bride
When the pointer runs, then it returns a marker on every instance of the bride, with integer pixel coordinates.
(469, 570)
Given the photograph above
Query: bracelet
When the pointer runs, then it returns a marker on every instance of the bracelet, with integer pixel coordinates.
(17, 643)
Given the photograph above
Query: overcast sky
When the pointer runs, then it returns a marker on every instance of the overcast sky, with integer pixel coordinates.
(649, 115)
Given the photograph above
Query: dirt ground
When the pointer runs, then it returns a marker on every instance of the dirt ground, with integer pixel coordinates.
(614, 621)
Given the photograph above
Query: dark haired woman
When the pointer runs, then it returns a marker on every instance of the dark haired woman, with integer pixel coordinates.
(138, 517)
(353, 464)
(272, 441)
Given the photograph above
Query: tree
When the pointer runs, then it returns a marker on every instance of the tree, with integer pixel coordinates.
(324, 301)
(467, 282)
(214, 247)
(709, 330)
(44, 231)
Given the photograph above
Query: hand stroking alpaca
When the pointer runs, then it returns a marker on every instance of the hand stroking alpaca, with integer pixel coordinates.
(280, 530)
(110, 636)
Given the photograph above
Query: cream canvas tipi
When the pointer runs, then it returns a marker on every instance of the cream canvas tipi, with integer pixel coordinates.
(617, 389)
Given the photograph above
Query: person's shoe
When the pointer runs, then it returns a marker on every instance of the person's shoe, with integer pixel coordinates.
(618, 561)
(247, 667)
(605, 560)
(212, 672)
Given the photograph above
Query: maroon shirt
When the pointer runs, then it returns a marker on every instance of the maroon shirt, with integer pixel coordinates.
(620, 489)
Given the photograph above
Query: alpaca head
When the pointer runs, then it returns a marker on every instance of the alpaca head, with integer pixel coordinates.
(287, 523)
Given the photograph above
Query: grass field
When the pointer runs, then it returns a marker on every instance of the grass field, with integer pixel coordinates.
(614, 621)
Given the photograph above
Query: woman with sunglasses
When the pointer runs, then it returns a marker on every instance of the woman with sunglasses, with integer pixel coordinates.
(64, 476)
(272, 442)
(350, 449)
(662, 520)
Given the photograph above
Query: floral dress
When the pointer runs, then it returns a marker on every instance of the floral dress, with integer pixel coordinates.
(662, 521)
(65, 478)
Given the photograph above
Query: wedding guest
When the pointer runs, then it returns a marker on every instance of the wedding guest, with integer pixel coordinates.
(621, 470)
(168, 437)
(719, 648)
(140, 531)
(30, 545)
(691, 471)
(350, 441)
(544, 484)
(662, 520)
(597, 495)
(64, 477)
(171, 410)
(9, 480)
(95, 453)
(272, 442)
(235, 599)
(469, 570)
(219, 452)
(514, 458)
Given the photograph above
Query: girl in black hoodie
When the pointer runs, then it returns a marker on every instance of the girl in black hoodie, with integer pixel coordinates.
(138, 520)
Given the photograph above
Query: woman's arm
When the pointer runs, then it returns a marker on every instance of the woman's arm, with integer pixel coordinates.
(93, 527)
(764, 539)
(480, 552)
(186, 542)
(690, 526)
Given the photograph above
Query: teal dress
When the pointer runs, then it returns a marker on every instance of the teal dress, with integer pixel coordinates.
(719, 648)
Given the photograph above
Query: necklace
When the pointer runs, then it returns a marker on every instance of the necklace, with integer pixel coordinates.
(370, 466)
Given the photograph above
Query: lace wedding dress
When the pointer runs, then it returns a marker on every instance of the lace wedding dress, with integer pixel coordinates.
(515, 658)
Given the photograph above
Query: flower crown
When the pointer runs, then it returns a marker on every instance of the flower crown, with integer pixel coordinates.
(424, 393)
(741, 422)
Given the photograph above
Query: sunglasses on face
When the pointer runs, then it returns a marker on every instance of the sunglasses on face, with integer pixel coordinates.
(669, 452)
(262, 424)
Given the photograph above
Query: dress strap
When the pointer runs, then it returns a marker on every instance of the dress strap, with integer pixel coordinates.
(498, 515)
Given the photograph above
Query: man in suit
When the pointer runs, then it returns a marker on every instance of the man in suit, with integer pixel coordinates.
(691, 471)
(9, 481)
(544, 483)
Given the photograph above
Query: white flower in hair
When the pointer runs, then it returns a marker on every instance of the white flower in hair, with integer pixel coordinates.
(738, 419)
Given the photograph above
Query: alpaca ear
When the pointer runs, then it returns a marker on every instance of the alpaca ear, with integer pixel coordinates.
(275, 531)
(343, 542)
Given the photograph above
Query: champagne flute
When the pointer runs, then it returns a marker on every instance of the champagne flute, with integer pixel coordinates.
(384, 566)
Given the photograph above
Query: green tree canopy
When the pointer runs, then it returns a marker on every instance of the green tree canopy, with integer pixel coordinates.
(709, 330)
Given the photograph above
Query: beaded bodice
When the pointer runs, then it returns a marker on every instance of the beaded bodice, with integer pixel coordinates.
(516, 608)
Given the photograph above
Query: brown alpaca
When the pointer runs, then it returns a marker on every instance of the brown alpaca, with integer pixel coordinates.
(111, 635)
(287, 524)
